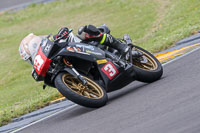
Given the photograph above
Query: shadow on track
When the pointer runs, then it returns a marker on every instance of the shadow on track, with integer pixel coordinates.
(75, 112)
(131, 88)
(80, 111)
(124, 91)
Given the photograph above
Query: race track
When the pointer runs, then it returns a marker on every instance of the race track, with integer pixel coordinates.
(170, 105)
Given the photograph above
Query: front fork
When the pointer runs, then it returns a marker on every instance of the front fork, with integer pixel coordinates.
(70, 69)
(67, 68)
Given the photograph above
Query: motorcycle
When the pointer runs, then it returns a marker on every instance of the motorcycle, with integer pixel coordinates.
(85, 73)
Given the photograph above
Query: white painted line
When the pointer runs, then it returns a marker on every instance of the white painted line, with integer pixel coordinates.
(19, 129)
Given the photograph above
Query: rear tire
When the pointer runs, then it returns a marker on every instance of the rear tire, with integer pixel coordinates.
(92, 96)
(150, 71)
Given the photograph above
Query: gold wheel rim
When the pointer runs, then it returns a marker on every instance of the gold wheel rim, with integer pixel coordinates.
(150, 65)
(92, 90)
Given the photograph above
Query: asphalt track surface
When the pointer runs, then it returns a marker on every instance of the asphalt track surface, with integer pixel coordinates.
(17, 4)
(170, 105)
(10, 3)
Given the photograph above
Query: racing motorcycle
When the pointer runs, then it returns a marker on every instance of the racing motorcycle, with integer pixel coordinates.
(84, 73)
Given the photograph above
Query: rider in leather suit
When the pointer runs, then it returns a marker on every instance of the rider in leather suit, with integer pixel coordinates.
(91, 33)
(29, 45)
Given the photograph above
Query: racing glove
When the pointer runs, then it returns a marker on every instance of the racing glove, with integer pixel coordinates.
(63, 32)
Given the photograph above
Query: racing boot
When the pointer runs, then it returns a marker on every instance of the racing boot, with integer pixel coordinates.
(110, 41)
(136, 53)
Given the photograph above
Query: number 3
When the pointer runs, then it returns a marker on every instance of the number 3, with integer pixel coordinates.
(110, 70)
(38, 62)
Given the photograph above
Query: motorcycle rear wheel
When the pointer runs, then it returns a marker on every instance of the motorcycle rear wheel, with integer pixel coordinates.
(91, 95)
(151, 70)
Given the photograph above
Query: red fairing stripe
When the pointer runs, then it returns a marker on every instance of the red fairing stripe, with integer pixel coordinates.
(41, 63)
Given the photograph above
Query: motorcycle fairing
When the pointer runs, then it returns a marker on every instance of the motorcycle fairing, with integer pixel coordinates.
(41, 63)
(86, 49)
(119, 76)
(82, 51)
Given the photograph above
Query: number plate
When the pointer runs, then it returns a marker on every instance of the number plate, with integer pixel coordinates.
(41, 63)
(110, 70)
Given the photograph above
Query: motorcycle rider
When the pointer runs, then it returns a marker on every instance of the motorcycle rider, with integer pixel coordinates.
(30, 44)
(91, 33)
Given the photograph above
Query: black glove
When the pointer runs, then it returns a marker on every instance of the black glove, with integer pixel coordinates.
(63, 32)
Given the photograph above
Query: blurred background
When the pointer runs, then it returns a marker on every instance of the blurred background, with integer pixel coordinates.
(154, 25)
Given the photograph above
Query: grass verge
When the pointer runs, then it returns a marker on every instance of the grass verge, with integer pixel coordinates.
(154, 25)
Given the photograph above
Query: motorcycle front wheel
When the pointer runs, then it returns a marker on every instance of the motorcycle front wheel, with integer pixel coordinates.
(147, 67)
(91, 95)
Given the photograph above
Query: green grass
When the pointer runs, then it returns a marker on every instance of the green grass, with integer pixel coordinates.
(154, 25)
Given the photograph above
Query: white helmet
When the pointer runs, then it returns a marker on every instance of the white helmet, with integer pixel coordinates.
(29, 46)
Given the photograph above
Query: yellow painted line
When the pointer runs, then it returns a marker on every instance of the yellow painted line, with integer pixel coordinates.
(171, 54)
(57, 100)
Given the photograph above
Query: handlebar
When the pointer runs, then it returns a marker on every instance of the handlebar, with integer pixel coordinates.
(70, 30)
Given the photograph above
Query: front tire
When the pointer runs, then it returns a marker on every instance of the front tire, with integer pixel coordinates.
(151, 70)
(91, 95)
